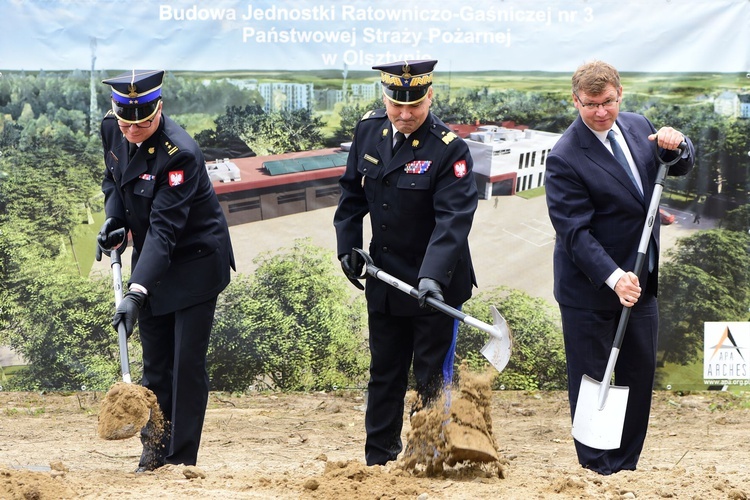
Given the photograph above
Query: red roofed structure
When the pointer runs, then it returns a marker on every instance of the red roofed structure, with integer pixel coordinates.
(285, 184)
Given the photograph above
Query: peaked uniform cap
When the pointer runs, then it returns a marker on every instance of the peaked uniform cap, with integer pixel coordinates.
(136, 94)
(406, 82)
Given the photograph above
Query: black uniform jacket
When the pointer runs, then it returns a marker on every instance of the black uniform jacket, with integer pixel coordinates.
(182, 250)
(421, 205)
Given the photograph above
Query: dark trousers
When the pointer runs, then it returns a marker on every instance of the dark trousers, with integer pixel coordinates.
(588, 342)
(395, 341)
(174, 368)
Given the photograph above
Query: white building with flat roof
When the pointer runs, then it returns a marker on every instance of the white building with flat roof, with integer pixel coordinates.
(508, 161)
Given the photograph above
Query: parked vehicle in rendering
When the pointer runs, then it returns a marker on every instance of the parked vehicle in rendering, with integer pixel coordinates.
(665, 217)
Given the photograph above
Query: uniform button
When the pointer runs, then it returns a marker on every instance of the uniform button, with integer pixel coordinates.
(387, 183)
(413, 184)
(385, 250)
(127, 212)
(385, 206)
(383, 227)
(141, 190)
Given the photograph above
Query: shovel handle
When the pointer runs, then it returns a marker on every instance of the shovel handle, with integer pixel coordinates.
(122, 335)
(680, 151)
(640, 259)
(374, 271)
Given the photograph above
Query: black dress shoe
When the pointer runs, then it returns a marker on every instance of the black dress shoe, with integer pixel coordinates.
(147, 468)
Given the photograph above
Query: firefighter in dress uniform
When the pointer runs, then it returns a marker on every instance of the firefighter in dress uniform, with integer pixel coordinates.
(413, 176)
(156, 187)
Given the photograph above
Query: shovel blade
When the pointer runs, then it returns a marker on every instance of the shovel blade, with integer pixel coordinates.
(497, 352)
(498, 348)
(596, 427)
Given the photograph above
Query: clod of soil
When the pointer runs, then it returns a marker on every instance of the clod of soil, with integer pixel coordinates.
(126, 409)
(455, 429)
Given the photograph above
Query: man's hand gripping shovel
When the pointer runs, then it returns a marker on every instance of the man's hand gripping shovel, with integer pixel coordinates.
(498, 347)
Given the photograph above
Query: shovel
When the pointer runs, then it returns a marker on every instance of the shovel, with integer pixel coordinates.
(496, 350)
(600, 410)
(122, 335)
(127, 407)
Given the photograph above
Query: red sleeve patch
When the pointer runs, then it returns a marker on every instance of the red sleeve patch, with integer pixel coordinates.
(176, 177)
(460, 169)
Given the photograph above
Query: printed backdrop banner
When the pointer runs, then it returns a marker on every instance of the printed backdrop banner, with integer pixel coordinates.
(472, 35)
(641, 37)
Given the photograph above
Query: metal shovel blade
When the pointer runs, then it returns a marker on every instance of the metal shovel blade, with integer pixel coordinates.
(599, 425)
(497, 350)
(498, 347)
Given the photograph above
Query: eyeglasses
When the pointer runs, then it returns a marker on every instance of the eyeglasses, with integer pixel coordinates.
(608, 104)
(143, 124)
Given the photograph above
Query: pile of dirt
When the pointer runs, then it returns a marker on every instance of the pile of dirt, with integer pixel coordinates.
(126, 409)
(27, 484)
(455, 429)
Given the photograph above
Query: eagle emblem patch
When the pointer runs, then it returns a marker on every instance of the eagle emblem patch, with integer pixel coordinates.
(176, 177)
(460, 169)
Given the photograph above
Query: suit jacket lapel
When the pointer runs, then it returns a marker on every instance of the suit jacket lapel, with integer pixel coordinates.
(136, 167)
(385, 146)
(600, 155)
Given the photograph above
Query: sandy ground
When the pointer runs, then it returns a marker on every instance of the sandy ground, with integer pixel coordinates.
(310, 446)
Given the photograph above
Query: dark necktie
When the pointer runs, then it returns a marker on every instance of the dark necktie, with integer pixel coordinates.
(132, 150)
(617, 151)
(620, 156)
(400, 138)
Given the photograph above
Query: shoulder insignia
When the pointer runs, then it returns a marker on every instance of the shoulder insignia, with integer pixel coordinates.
(171, 148)
(374, 113)
(448, 137)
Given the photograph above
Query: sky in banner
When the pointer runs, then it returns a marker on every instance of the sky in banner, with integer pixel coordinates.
(471, 35)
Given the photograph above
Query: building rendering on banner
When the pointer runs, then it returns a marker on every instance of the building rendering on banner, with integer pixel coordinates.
(506, 161)
(265, 187)
(509, 160)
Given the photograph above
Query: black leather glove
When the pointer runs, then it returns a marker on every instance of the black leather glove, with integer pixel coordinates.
(428, 287)
(110, 235)
(352, 264)
(127, 311)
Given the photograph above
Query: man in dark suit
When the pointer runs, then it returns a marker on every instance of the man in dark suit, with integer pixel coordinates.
(421, 197)
(598, 212)
(157, 188)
